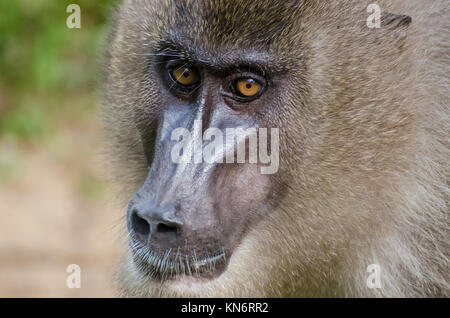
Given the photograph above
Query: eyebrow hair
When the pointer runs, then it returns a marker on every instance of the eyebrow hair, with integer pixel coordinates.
(263, 62)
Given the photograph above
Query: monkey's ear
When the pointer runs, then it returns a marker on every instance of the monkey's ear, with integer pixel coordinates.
(395, 21)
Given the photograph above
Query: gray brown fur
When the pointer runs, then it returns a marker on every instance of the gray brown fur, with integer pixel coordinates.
(365, 144)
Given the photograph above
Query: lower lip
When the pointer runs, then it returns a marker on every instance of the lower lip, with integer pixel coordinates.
(198, 272)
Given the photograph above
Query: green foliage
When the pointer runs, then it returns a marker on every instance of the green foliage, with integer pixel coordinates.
(43, 63)
(25, 121)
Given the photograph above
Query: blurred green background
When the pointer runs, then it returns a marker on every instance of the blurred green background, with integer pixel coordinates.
(55, 202)
(45, 67)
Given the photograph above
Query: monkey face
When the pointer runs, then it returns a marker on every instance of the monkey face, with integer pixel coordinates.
(197, 202)
(175, 87)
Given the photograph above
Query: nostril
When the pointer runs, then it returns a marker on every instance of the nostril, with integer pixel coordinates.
(155, 226)
(165, 228)
(140, 226)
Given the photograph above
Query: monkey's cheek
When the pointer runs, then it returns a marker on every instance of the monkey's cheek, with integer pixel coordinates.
(248, 190)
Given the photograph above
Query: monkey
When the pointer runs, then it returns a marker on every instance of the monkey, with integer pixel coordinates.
(362, 114)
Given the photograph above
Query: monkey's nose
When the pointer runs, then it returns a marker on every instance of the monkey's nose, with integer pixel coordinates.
(159, 225)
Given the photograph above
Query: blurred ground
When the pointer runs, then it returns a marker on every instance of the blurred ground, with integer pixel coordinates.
(56, 205)
(56, 210)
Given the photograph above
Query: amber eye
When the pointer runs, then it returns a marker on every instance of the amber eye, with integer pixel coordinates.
(248, 87)
(185, 76)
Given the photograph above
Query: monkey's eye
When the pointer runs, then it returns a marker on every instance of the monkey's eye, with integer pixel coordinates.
(185, 76)
(248, 87)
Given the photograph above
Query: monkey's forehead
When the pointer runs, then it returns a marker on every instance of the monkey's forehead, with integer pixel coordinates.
(237, 23)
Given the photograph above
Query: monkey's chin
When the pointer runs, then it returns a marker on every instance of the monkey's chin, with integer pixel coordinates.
(134, 281)
(184, 286)
(188, 285)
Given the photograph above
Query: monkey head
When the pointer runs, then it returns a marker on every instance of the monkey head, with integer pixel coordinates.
(326, 94)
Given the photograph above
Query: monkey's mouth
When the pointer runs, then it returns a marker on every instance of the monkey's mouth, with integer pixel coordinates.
(173, 264)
